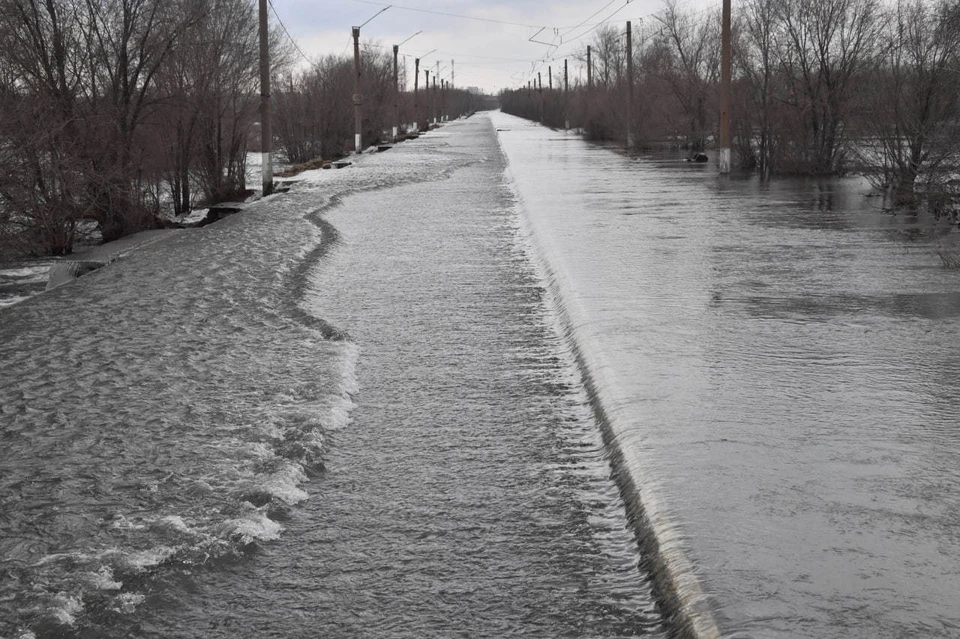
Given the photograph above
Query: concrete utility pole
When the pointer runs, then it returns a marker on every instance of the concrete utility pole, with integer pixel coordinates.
(436, 102)
(357, 98)
(540, 92)
(266, 130)
(396, 92)
(416, 93)
(725, 90)
(453, 68)
(566, 92)
(586, 123)
(629, 86)
(426, 100)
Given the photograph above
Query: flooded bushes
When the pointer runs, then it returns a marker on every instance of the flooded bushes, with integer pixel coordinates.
(114, 111)
(820, 87)
(314, 115)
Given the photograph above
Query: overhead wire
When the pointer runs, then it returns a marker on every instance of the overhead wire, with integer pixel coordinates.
(454, 15)
(536, 64)
(289, 37)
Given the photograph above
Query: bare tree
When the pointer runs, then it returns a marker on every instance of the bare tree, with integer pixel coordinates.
(691, 56)
(756, 56)
(913, 100)
(826, 45)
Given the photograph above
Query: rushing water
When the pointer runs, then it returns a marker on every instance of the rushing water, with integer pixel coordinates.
(335, 414)
(782, 363)
(366, 407)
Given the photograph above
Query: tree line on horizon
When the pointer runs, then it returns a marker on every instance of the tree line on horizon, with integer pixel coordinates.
(126, 114)
(819, 87)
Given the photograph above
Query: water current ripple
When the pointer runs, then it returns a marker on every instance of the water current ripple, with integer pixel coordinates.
(163, 414)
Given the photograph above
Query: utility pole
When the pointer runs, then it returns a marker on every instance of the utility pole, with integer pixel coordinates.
(452, 69)
(416, 93)
(266, 130)
(566, 96)
(427, 100)
(629, 86)
(550, 77)
(357, 98)
(725, 90)
(396, 92)
(436, 101)
(540, 93)
(589, 87)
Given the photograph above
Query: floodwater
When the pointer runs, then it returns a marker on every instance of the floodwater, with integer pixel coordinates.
(348, 411)
(782, 363)
(373, 406)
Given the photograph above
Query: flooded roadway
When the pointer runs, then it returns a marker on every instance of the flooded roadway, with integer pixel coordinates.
(781, 363)
(358, 409)
(326, 416)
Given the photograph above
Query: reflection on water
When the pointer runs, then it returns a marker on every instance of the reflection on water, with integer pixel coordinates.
(782, 358)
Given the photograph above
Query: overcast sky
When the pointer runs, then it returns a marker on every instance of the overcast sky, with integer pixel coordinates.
(489, 53)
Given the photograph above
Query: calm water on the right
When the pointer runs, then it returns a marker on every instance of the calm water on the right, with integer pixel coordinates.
(787, 361)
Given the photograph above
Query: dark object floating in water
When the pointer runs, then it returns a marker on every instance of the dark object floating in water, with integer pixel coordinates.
(384, 147)
(341, 164)
(698, 157)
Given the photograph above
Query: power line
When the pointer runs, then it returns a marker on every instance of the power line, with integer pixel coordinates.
(452, 15)
(289, 37)
(590, 16)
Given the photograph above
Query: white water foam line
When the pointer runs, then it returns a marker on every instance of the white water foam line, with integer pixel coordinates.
(679, 589)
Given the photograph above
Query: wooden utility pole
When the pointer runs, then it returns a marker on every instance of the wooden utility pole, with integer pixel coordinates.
(266, 130)
(357, 98)
(629, 86)
(416, 93)
(396, 92)
(725, 90)
(566, 96)
(586, 123)
(550, 77)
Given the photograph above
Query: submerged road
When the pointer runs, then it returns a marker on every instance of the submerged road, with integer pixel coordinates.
(346, 412)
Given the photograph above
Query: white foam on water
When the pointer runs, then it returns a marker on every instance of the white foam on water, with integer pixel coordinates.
(175, 522)
(103, 579)
(66, 609)
(255, 526)
(29, 273)
(144, 559)
(13, 299)
(284, 484)
(340, 413)
(127, 602)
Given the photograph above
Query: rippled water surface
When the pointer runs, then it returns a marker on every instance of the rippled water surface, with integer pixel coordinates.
(783, 361)
(345, 412)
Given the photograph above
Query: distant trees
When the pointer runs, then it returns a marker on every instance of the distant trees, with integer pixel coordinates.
(121, 112)
(820, 86)
(314, 114)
